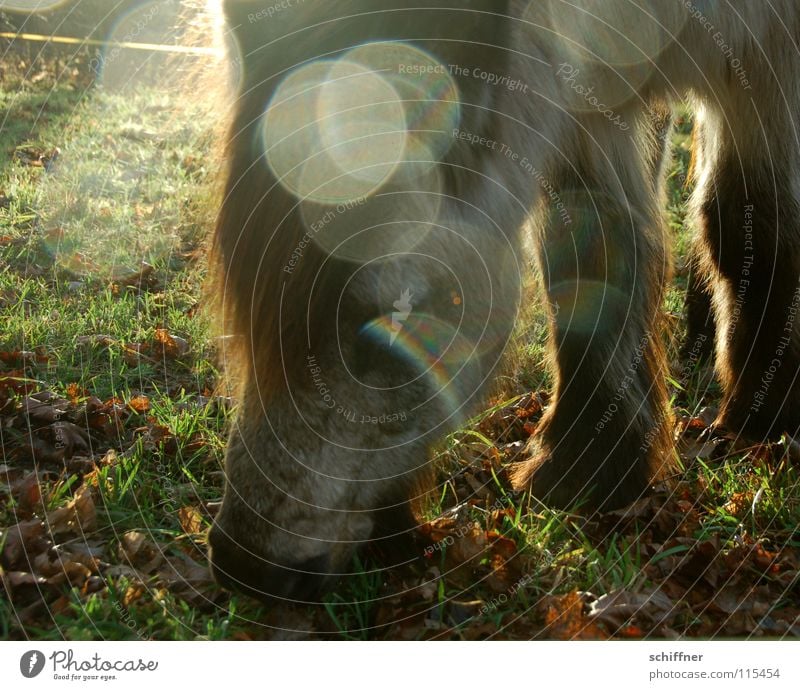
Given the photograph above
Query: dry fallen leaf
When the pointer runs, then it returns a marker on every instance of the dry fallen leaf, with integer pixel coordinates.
(172, 346)
(20, 542)
(566, 620)
(619, 607)
(78, 517)
(191, 520)
(142, 277)
(140, 552)
(140, 404)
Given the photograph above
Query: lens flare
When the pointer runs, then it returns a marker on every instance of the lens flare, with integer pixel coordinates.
(394, 220)
(584, 302)
(30, 5)
(166, 45)
(118, 67)
(434, 349)
(613, 44)
(428, 91)
(379, 118)
(334, 132)
(113, 198)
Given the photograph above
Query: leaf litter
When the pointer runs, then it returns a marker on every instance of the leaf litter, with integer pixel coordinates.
(54, 543)
(475, 575)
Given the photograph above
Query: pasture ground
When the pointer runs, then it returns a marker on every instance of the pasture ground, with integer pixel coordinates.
(112, 431)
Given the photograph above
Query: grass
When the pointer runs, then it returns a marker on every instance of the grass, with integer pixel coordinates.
(128, 186)
(101, 254)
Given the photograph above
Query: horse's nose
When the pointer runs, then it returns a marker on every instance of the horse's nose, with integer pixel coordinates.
(236, 568)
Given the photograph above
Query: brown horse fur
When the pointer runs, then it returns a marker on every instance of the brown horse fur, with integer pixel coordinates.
(567, 135)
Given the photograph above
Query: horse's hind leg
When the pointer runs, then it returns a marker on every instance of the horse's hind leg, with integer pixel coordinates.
(699, 342)
(749, 220)
(604, 264)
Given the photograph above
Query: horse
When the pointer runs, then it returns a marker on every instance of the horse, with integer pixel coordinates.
(386, 168)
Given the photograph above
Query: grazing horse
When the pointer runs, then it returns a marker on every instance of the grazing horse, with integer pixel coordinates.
(384, 165)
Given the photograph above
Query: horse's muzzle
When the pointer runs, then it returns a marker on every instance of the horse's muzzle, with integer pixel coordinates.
(236, 568)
